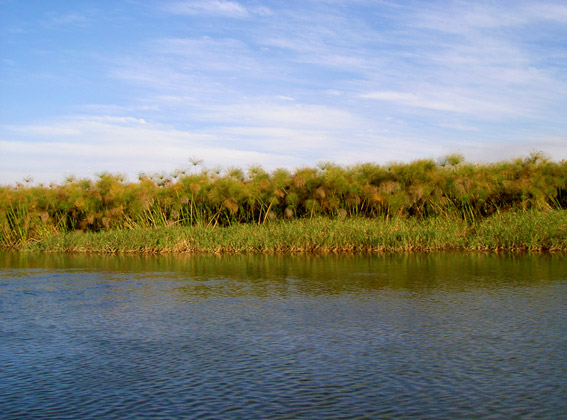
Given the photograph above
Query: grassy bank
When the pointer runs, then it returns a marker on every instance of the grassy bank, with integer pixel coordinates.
(422, 205)
(448, 188)
(519, 231)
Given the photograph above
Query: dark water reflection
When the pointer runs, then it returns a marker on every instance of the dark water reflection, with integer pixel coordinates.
(424, 336)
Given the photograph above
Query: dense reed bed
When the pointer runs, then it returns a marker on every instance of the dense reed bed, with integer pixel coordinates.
(425, 198)
(525, 231)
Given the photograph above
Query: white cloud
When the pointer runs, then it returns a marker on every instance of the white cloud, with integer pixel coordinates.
(204, 69)
(284, 115)
(86, 145)
(50, 131)
(468, 18)
(409, 99)
(481, 105)
(209, 7)
(205, 54)
(556, 12)
(130, 145)
(68, 19)
(459, 126)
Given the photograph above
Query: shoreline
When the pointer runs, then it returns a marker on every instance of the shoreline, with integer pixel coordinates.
(516, 232)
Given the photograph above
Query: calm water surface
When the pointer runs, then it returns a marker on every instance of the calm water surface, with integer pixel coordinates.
(411, 336)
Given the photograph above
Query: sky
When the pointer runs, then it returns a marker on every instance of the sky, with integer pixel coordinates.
(132, 86)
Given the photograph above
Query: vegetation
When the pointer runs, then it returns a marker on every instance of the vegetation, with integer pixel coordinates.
(423, 205)
(526, 231)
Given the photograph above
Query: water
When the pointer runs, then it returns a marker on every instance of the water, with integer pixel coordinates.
(410, 336)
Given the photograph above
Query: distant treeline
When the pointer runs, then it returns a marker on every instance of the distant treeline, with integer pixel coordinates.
(449, 187)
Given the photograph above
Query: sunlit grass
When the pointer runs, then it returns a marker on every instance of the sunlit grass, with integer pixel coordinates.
(526, 231)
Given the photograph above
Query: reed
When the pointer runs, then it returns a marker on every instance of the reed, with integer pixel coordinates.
(419, 192)
(524, 231)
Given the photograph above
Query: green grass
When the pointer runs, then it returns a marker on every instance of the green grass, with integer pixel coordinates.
(533, 231)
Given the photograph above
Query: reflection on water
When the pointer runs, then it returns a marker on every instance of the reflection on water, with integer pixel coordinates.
(426, 336)
(317, 274)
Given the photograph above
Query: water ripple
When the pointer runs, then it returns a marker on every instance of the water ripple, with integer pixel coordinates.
(104, 344)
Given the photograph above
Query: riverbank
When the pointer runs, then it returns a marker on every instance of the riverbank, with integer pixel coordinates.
(530, 231)
(425, 205)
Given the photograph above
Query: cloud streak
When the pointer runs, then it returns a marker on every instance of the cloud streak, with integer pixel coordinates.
(224, 8)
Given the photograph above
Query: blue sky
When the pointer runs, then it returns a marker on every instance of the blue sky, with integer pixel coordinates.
(143, 85)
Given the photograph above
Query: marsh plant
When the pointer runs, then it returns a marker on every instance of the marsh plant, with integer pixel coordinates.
(449, 188)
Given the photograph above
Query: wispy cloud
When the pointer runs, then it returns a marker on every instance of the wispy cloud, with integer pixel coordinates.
(206, 54)
(208, 7)
(480, 105)
(278, 137)
(409, 99)
(282, 83)
(86, 145)
(285, 115)
(458, 126)
(74, 19)
(190, 65)
(467, 18)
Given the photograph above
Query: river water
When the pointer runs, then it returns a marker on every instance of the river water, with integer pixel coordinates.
(283, 337)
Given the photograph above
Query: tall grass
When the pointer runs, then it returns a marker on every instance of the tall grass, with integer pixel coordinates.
(449, 188)
(525, 231)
